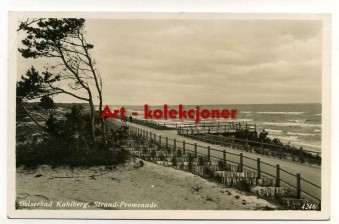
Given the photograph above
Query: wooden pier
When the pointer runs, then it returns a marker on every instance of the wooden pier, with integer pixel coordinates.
(216, 128)
(205, 127)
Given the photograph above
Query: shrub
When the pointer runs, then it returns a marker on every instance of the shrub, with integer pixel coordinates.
(161, 157)
(201, 160)
(209, 172)
(243, 186)
(174, 161)
(73, 152)
(221, 165)
(153, 153)
(179, 153)
(144, 149)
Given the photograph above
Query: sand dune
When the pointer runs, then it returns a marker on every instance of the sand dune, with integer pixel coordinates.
(128, 186)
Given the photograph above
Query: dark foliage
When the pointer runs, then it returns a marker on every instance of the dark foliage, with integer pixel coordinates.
(67, 143)
(46, 102)
(243, 186)
(73, 152)
(30, 86)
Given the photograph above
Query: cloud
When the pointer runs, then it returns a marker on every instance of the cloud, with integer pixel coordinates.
(208, 61)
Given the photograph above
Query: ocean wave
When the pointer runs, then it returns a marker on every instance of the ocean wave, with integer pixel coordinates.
(317, 130)
(273, 131)
(317, 114)
(302, 134)
(286, 138)
(292, 113)
(297, 120)
(138, 111)
(241, 120)
(289, 124)
(233, 120)
(245, 112)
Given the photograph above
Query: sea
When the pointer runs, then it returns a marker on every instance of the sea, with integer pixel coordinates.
(295, 124)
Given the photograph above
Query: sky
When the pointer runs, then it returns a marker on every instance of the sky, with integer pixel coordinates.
(195, 62)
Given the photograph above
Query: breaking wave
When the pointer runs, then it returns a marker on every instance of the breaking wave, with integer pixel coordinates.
(301, 134)
(290, 124)
(245, 112)
(273, 131)
(293, 113)
(297, 120)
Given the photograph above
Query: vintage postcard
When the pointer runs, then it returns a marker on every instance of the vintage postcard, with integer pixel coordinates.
(169, 115)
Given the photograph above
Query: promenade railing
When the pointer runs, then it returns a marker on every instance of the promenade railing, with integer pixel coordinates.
(283, 152)
(304, 188)
(202, 127)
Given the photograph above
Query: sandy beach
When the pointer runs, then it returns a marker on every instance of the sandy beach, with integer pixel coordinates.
(134, 185)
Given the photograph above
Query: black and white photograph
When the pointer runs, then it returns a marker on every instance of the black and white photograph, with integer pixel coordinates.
(169, 115)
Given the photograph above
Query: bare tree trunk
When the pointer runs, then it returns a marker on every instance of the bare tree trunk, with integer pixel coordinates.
(103, 124)
(103, 127)
(92, 119)
(98, 84)
(31, 117)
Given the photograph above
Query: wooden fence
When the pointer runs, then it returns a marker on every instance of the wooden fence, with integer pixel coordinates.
(202, 127)
(216, 128)
(307, 157)
(303, 187)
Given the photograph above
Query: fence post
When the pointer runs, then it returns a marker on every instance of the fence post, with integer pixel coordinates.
(209, 153)
(233, 143)
(277, 181)
(155, 138)
(262, 144)
(183, 147)
(258, 168)
(209, 129)
(246, 145)
(160, 140)
(146, 135)
(224, 155)
(300, 159)
(174, 146)
(166, 142)
(241, 165)
(150, 135)
(189, 162)
(298, 186)
(195, 150)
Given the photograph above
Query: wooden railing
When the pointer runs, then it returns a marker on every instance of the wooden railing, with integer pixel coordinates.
(202, 127)
(307, 157)
(283, 177)
(216, 128)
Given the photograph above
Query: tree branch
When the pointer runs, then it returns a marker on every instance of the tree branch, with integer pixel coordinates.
(31, 117)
